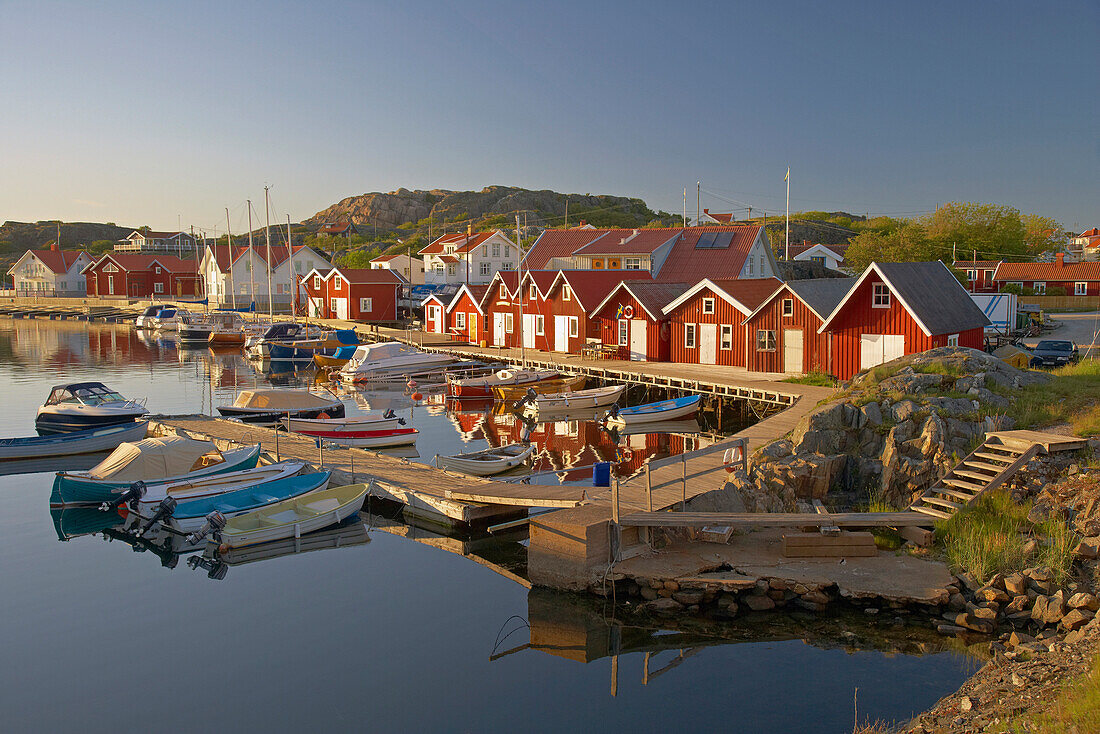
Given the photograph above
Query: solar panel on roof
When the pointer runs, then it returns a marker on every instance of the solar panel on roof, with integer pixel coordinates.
(722, 240)
(706, 241)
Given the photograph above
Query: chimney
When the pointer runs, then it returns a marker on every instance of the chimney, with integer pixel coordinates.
(706, 211)
(54, 247)
(1060, 259)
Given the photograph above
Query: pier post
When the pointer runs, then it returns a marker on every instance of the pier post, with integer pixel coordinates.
(683, 482)
(276, 444)
(615, 500)
(648, 488)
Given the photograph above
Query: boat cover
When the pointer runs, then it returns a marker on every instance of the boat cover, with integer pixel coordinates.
(155, 458)
(347, 336)
(280, 400)
(380, 351)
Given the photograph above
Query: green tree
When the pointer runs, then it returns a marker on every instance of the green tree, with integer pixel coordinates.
(908, 242)
(1042, 234)
(988, 230)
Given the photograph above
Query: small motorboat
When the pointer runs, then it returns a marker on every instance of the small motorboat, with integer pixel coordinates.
(388, 358)
(534, 404)
(663, 410)
(87, 441)
(487, 462)
(366, 439)
(234, 333)
(294, 518)
(374, 421)
(482, 387)
(337, 360)
(268, 406)
(303, 350)
(168, 459)
(145, 318)
(82, 405)
(218, 484)
(259, 347)
(198, 329)
(188, 516)
(169, 319)
(343, 535)
(545, 387)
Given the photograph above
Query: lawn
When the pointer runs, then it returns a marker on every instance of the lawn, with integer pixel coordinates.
(1072, 396)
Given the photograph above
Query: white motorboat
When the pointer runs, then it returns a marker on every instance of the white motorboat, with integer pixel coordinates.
(388, 358)
(198, 329)
(375, 421)
(563, 402)
(145, 318)
(169, 319)
(664, 410)
(82, 405)
(488, 461)
(268, 406)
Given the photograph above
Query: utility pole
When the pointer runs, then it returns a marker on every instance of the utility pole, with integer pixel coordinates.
(698, 211)
(787, 236)
(251, 266)
(293, 277)
(468, 253)
(206, 291)
(566, 222)
(229, 244)
(267, 237)
(685, 222)
(519, 289)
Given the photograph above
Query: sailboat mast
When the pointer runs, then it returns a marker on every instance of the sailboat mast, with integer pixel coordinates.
(198, 271)
(267, 237)
(229, 242)
(251, 267)
(293, 280)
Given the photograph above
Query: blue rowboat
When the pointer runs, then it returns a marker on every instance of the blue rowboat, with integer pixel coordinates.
(87, 441)
(240, 501)
(664, 410)
(154, 460)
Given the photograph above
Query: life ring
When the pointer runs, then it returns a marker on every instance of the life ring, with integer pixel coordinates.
(732, 458)
(628, 312)
(626, 455)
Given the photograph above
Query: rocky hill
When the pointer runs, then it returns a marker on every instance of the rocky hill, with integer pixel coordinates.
(493, 206)
(31, 235)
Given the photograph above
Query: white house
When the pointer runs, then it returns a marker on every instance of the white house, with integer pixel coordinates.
(173, 243)
(249, 273)
(831, 256)
(52, 272)
(410, 269)
(468, 257)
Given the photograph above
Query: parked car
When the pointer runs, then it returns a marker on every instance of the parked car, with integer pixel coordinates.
(1054, 353)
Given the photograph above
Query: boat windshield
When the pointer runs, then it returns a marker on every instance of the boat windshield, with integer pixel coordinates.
(87, 393)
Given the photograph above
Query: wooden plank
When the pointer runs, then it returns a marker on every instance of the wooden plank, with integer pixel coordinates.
(528, 496)
(852, 551)
(774, 519)
(929, 511)
(993, 468)
(972, 474)
(814, 540)
(964, 496)
(941, 502)
(963, 484)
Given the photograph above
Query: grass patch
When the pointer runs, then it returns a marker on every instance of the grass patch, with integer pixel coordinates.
(990, 536)
(812, 378)
(1077, 708)
(1071, 396)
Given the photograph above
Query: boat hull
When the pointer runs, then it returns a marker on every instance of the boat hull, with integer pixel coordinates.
(232, 504)
(322, 509)
(544, 387)
(73, 489)
(367, 439)
(47, 423)
(220, 484)
(665, 410)
(485, 467)
(251, 415)
(396, 367)
(75, 442)
(482, 387)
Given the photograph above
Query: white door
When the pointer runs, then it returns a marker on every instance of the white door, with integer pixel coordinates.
(498, 329)
(874, 349)
(435, 319)
(792, 350)
(315, 307)
(561, 333)
(708, 343)
(893, 346)
(110, 285)
(637, 340)
(341, 308)
(529, 330)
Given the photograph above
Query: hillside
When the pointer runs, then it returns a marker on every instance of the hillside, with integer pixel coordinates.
(18, 237)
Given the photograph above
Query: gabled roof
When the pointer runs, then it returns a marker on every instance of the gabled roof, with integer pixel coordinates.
(476, 293)
(155, 235)
(628, 242)
(336, 227)
(367, 276)
(592, 286)
(652, 295)
(685, 264)
(543, 280)
(57, 261)
(1052, 271)
(387, 258)
(224, 253)
(803, 248)
(554, 243)
(131, 261)
(720, 218)
(1094, 232)
(744, 294)
(928, 291)
(821, 295)
(459, 240)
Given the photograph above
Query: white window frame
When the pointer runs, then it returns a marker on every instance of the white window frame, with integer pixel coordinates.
(366, 305)
(332, 304)
(316, 282)
(503, 292)
(439, 268)
(158, 287)
(484, 268)
(708, 305)
(509, 323)
(971, 275)
(574, 326)
(690, 340)
(788, 307)
(460, 320)
(880, 295)
(156, 269)
(532, 292)
(566, 293)
(767, 337)
(1080, 289)
(952, 340)
(752, 265)
(451, 269)
(1040, 288)
(496, 249)
(337, 282)
(540, 325)
(987, 275)
(624, 333)
(632, 263)
(110, 268)
(725, 337)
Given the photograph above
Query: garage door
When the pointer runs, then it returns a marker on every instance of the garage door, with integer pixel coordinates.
(874, 349)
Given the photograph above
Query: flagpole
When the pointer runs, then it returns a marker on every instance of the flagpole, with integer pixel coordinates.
(787, 237)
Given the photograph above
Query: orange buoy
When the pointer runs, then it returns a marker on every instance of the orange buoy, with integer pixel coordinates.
(417, 396)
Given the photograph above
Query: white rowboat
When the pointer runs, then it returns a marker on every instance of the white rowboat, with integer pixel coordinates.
(566, 401)
(488, 462)
(295, 517)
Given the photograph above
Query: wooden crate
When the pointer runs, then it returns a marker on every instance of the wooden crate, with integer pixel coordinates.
(816, 545)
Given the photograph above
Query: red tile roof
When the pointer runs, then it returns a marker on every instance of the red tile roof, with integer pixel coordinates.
(1049, 272)
(559, 243)
(387, 258)
(685, 264)
(592, 286)
(1094, 232)
(59, 261)
(335, 227)
(628, 242)
(723, 218)
(362, 276)
(459, 240)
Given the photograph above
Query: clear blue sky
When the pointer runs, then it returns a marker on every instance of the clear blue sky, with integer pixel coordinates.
(136, 112)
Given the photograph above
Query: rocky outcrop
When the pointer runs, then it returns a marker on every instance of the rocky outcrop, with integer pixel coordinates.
(892, 436)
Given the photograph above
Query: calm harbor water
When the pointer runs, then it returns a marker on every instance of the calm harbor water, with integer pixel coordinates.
(390, 634)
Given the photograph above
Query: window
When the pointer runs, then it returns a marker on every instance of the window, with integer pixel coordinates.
(573, 326)
(987, 275)
(953, 340)
(332, 304)
(337, 281)
(460, 320)
(971, 275)
(597, 264)
(507, 251)
(614, 264)
(765, 340)
(366, 305)
(158, 287)
(881, 296)
(508, 322)
(484, 268)
(566, 293)
(624, 333)
(451, 269)
(316, 282)
(788, 307)
(298, 267)
(110, 268)
(1080, 289)
(726, 342)
(689, 336)
(540, 325)
(439, 268)
(156, 269)
(531, 292)
(708, 305)
(816, 259)
(496, 249)
(1040, 289)
(752, 263)
(632, 263)
(503, 292)
(507, 266)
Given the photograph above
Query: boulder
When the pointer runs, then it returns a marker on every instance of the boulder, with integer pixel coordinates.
(648, 593)
(1082, 600)
(872, 414)
(1088, 548)
(1076, 619)
(663, 606)
(758, 603)
(688, 597)
(1018, 638)
(1018, 604)
(1015, 584)
(992, 594)
(1049, 609)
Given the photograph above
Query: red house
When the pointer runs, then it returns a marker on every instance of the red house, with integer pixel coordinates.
(784, 331)
(1076, 279)
(465, 314)
(510, 308)
(708, 319)
(896, 309)
(574, 297)
(631, 318)
(141, 275)
(354, 294)
(979, 274)
(435, 314)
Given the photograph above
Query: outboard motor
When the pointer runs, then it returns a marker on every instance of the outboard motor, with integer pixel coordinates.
(612, 412)
(213, 524)
(531, 398)
(163, 511)
(132, 495)
(390, 415)
(215, 569)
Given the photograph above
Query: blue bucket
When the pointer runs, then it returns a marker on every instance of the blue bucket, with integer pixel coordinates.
(601, 474)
